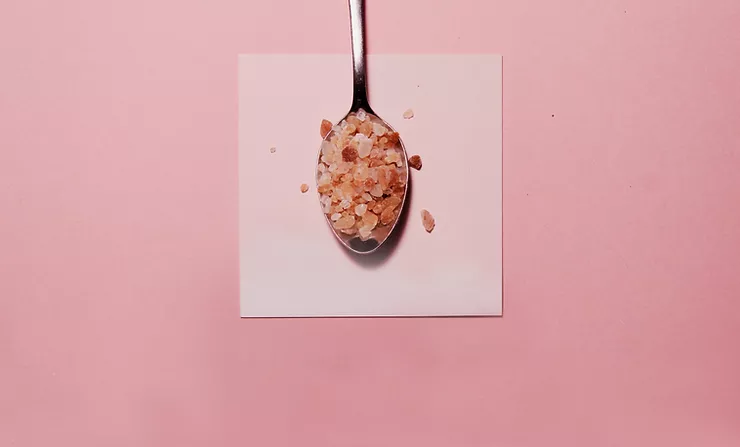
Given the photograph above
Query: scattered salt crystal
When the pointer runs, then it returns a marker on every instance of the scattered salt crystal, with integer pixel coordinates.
(272, 150)
(325, 128)
(427, 220)
(304, 187)
(415, 162)
(408, 114)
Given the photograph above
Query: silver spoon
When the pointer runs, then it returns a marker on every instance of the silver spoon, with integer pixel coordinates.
(360, 105)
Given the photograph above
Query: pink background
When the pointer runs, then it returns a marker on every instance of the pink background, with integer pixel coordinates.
(118, 234)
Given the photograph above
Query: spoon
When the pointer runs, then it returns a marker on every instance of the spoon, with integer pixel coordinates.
(354, 239)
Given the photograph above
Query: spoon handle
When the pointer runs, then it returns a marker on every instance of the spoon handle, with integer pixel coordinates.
(357, 29)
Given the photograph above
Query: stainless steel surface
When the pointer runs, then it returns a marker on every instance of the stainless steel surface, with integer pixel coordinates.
(357, 30)
(360, 102)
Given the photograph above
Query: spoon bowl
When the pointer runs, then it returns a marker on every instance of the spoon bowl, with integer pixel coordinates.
(351, 238)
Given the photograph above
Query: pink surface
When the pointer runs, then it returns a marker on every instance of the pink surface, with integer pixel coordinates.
(118, 234)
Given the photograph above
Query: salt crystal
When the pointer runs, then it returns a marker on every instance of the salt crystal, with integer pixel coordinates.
(325, 179)
(364, 145)
(408, 114)
(387, 216)
(349, 154)
(348, 190)
(427, 220)
(377, 191)
(325, 128)
(392, 156)
(391, 202)
(415, 162)
(343, 167)
(366, 128)
(360, 209)
(382, 179)
(327, 148)
(402, 176)
(365, 233)
(361, 172)
(344, 223)
(370, 220)
(325, 204)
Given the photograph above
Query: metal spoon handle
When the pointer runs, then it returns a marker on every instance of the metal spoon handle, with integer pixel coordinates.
(357, 29)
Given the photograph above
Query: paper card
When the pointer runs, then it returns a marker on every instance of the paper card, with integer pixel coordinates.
(290, 263)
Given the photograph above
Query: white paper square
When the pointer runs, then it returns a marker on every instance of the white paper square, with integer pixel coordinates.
(291, 265)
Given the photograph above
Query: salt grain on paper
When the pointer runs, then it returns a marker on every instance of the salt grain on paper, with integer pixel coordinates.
(326, 126)
(427, 220)
(415, 162)
(408, 114)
